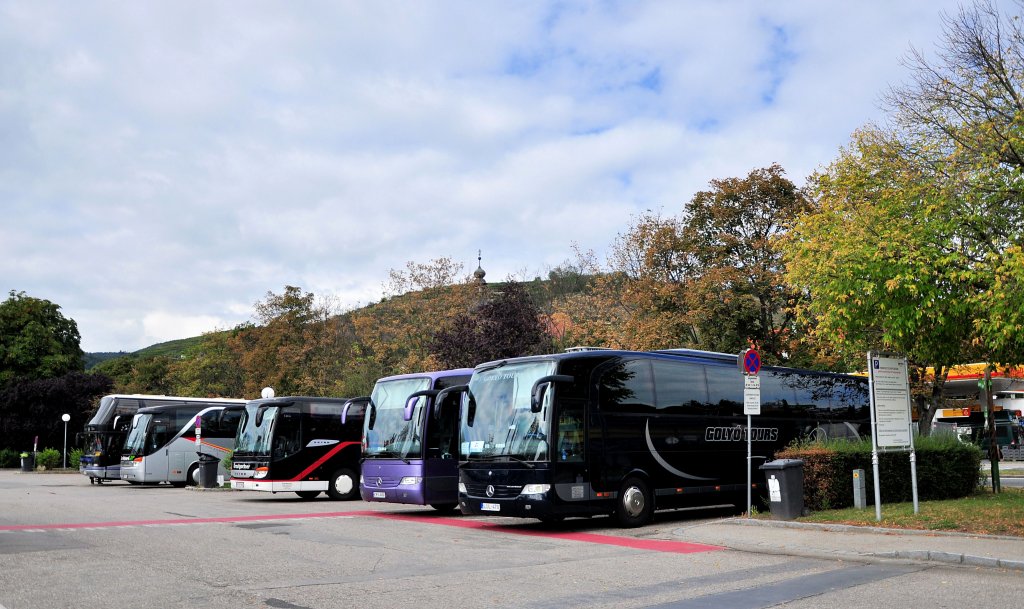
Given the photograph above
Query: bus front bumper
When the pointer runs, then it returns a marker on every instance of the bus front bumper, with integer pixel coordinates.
(523, 506)
(277, 486)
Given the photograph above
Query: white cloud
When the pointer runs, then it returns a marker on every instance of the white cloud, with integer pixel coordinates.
(166, 164)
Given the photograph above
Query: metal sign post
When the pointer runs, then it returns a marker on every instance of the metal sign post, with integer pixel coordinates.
(750, 365)
(891, 424)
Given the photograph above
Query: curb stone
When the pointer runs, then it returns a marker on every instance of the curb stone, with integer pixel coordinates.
(949, 558)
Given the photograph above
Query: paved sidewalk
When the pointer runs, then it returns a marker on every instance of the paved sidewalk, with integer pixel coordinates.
(856, 543)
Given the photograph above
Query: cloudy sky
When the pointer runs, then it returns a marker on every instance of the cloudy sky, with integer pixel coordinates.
(163, 165)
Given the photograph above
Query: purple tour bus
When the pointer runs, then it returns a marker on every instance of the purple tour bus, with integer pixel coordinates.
(410, 442)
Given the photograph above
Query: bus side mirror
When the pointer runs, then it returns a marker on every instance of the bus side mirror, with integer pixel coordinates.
(354, 402)
(410, 402)
(444, 394)
(540, 387)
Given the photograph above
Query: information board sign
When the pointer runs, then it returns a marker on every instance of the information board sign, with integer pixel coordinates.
(891, 424)
(890, 402)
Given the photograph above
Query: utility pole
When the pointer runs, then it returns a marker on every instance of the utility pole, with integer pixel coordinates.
(993, 445)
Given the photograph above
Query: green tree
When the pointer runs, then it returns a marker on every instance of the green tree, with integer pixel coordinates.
(437, 273)
(34, 408)
(36, 340)
(211, 368)
(737, 293)
(393, 336)
(506, 325)
(915, 240)
(295, 347)
(712, 278)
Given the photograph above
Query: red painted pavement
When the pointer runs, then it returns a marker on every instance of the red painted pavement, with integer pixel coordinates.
(654, 545)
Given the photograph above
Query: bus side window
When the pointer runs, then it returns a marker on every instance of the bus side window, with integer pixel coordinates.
(229, 422)
(627, 387)
(725, 388)
(287, 434)
(570, 434)
(682, 389)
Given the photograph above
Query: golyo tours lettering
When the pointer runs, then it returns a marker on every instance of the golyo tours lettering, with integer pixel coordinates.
(739, 434)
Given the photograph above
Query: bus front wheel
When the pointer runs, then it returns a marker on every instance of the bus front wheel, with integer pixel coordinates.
(343, 485)
(635, 505)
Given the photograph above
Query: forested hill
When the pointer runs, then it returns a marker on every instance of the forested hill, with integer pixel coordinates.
(171, 348)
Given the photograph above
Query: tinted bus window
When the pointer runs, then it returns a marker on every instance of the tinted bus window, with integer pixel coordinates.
(627, 387)
(777, 395)
(725, 389)
(287, 433)
(682, 388)
(324, 421)
(227, 423)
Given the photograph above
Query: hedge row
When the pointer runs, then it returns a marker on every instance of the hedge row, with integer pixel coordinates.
(946, 469)
(50, 458)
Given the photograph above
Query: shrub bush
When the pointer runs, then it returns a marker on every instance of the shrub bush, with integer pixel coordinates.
(946, 469)
(48, 458)
(74, 458)
(10, 458)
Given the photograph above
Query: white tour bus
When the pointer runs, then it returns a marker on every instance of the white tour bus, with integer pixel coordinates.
(161, 444)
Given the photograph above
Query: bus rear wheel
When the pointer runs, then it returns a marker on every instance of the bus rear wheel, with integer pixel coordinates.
(307, 494)
(635, 505)
(343, 485)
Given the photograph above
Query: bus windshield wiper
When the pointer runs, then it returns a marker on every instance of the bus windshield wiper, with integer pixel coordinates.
(496, 456)
(494, 367)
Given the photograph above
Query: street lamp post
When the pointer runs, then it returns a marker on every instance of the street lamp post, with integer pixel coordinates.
(65, 417)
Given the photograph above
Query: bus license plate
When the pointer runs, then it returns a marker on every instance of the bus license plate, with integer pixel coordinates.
(239, 485)
(378, 494)
(490, 507)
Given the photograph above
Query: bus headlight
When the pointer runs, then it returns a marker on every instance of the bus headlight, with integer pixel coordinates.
(535, 489)
(410, 480)
(261, 472)
(462, 487)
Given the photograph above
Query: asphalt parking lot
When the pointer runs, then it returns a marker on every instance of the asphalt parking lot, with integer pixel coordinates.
(64, 543)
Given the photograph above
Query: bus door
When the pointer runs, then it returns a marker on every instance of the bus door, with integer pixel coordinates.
(161, 430)
(440, 429)
(569, 452)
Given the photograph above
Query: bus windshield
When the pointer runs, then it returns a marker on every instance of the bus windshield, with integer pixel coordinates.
(136, 441)
(149, 432)
(104, 412)
(255, 430)
(391, 435)
(497, 421)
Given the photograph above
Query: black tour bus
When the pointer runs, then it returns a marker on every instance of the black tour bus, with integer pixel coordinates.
(625, 433)
(305, 445)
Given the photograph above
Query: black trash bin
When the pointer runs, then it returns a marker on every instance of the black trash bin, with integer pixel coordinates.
(785, 483)
(28, 462)
(208, 470)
